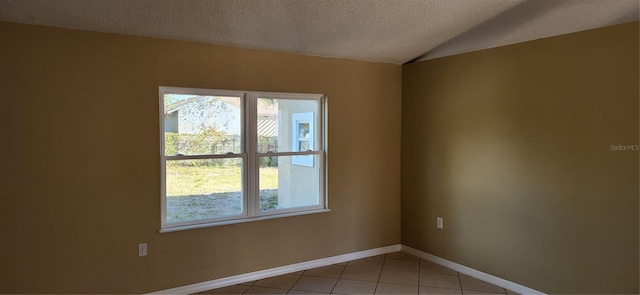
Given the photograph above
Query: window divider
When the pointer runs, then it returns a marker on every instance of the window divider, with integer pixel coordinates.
(276, 154)
(253, 200)
(199, 157)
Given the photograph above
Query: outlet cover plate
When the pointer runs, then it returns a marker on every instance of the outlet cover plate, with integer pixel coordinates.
(142, 249)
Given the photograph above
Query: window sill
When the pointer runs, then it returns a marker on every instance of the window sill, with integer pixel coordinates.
(242, 220)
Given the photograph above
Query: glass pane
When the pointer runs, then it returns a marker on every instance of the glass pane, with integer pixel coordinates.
(285, 184)
(202, 189)
(286, 125)
(202, 125)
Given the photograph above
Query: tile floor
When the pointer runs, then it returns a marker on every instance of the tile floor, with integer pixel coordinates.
(394, 273)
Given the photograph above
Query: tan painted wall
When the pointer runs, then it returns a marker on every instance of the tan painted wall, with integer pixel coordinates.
(512, 147)
(80, 181)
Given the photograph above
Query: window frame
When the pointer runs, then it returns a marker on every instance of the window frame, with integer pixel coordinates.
(249, 156)
(319, 150)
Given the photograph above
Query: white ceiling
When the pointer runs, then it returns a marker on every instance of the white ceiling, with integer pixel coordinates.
(391, 31)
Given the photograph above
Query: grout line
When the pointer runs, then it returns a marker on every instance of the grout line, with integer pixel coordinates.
(380, 275)
(289, 289)
(336, 283)
(344, 267)
(294, 283)
(245, 291)
(419, 273)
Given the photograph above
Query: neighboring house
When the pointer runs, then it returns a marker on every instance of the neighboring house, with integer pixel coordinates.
(192, 115)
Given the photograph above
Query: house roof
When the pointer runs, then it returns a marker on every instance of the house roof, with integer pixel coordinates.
(391, 31)
(179, 104)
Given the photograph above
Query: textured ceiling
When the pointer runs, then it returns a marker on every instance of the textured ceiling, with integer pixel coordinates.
(392, 31)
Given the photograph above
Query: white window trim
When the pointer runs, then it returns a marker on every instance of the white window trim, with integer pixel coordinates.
(250, 157)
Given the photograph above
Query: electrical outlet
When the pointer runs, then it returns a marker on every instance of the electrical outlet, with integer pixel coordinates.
(439, 223)
(142, 249)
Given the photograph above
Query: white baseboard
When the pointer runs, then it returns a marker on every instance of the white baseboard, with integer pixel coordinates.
(276, 271)
(471, 272)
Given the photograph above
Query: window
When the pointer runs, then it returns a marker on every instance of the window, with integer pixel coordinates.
(303, 128)
(236, 156)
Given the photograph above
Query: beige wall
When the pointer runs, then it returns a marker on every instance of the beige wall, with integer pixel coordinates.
(511, 146)
(80, 165)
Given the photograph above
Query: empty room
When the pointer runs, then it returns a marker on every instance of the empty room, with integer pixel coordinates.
(320, 147)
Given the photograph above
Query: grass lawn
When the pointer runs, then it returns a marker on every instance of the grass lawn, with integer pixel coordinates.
(204, 180)
(206, 191)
